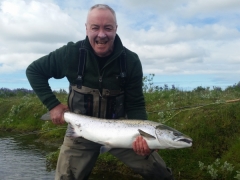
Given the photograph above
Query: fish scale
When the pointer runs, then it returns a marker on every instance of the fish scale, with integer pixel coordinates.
(122, 133)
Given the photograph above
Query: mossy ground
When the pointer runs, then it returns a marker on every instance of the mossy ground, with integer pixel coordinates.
(205, 115)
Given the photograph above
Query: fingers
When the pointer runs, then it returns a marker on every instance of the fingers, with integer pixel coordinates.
(58, 120)
(57, 114)
(140, 146)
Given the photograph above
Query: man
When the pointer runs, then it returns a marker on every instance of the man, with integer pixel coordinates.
(106, 82)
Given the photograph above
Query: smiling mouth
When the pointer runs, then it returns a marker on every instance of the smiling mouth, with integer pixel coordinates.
(101, 42)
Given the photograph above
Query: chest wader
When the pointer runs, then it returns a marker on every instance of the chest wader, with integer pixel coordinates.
(101, 103)
(78, 155)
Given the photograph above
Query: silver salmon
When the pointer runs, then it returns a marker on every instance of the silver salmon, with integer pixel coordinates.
(122, 133)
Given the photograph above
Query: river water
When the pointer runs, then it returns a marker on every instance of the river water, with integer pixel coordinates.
(21, 160)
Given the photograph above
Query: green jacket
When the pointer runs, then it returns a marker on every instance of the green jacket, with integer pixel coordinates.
(63, 62)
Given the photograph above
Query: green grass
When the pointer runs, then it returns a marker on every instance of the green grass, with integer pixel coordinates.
(213, 124)
(203, 114)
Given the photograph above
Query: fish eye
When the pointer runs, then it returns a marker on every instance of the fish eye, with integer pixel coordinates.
(177, 133)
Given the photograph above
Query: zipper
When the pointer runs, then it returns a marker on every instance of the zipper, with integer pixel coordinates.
(100, 79)
(100, 83)
(100, 95)
(115, 57)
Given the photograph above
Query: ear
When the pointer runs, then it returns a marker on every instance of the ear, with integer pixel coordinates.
(86, 28)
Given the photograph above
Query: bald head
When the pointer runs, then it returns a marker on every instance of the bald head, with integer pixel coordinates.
(103, 7)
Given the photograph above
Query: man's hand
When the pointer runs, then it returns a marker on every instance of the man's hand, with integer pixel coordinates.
(140, 146)
(57, 114)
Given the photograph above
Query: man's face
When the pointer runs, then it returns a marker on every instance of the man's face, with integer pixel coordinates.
(101, 30)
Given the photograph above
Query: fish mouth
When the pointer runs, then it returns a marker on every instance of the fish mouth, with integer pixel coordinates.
(189, 141)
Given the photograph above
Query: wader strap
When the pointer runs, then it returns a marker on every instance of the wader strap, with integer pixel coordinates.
(81, 65)
(123, 67)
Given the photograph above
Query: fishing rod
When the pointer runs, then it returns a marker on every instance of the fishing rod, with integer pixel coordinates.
(185, 108)
(195, 106)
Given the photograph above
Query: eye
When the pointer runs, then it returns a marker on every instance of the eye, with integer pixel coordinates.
(94, 28)
(108, 28)
(177, 133)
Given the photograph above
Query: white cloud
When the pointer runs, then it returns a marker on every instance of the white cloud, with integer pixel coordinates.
(184, 37)
(181, 7)
(211, 7)
(35, 21)
(170, 37)
(31, 29)
(9, 63)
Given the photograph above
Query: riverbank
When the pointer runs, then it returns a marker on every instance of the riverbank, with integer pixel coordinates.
(207, 116)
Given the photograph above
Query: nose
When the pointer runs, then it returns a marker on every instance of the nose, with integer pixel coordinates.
(101, 34)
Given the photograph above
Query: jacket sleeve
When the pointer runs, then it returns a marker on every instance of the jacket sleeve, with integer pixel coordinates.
(134, 98)
(40, 71)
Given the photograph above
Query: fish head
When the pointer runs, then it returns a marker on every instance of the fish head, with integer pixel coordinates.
(170, 138)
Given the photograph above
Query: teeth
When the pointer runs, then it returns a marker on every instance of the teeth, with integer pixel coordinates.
(101, 42)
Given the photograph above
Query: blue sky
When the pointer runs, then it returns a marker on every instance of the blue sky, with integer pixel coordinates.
(184, 43)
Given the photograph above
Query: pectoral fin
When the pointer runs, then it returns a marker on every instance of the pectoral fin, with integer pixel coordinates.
(146, 135)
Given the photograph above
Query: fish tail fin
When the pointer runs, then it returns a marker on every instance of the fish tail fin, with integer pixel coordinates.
(46, 117)
(104, 149)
